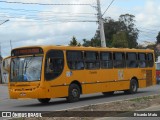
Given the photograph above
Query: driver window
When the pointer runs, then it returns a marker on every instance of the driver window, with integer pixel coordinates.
(54, 64)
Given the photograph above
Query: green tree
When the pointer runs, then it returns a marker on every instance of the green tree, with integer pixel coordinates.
(158, 38)
(93, 42)
(120, 40)
(74, 42)
(111, 27)
(86, 43)
(127, 24)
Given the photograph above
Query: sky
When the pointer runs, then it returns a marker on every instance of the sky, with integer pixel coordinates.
(33, 24)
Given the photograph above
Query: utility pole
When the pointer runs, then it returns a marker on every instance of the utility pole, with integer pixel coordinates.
(101, 25)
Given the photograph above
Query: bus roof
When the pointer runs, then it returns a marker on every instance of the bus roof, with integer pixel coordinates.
(48, 47)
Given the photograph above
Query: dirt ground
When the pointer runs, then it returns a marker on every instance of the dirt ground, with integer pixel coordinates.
(126, 105)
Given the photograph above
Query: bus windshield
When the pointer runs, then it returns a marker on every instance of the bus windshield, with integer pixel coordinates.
(157, 66)
(26, 69)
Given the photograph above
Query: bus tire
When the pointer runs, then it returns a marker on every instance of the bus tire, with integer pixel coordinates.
(108, 93)
(44, 100)
(73, 93)
(133, 87)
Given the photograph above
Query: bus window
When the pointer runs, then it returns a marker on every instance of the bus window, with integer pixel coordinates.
(75, 60)
(150, 60)
(131, 60)
(54, 64)
(142, 60)
(119, 60)
(106, 60)
(92, 60)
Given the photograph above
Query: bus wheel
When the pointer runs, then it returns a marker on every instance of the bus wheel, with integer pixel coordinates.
(44, 100)
(133, 87)
(74, 93)
(108, 93)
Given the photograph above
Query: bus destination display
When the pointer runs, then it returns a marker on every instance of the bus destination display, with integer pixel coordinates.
(27, 51)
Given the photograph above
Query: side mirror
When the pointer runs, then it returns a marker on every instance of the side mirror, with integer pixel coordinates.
(6, 64)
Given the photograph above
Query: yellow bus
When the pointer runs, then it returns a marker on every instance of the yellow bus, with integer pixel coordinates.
(45, 72)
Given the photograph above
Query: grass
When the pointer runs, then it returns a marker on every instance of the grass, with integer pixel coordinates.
(146, 98)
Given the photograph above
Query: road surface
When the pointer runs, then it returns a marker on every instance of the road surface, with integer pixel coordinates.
(7, 104)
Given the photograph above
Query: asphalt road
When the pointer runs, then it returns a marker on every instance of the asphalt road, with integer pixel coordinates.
(7, 104)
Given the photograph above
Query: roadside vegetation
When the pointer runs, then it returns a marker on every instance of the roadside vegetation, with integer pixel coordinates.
(125, 105)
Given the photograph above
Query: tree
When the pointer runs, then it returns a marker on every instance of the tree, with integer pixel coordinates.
(74, 42)
(86, 42)
(111, 27)
(153, 46)
(93, 42)
(124, 24)
(120, 40)
(127, 24)
(158, 38)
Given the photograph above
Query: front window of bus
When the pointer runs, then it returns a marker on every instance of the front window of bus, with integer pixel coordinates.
(26, 69)
(157, 66)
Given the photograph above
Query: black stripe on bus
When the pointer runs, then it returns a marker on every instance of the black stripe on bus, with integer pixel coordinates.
(97, 82)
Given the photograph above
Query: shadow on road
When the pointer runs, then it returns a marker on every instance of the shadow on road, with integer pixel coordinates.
(83, 98)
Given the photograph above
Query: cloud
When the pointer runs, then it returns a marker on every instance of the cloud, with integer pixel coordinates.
(147, 18)
(149, 15)
(48, 25)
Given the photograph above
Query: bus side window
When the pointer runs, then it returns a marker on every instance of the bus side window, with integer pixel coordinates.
(142, 60)
(119, 60)
(75, 60)
(54, 64)
(150, 60)
(131, 60)
(106, 60)
(92, 60)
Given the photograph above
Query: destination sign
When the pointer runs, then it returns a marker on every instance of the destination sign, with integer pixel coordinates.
(26, 51)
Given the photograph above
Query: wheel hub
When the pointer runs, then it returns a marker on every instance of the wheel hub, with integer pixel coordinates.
(75, 92)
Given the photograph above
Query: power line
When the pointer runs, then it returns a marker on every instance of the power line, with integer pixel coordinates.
(4, 22)
(45, 15)
(108, 7)
(32, 10)
(47, 18)
(51, 20)
(40, 3)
